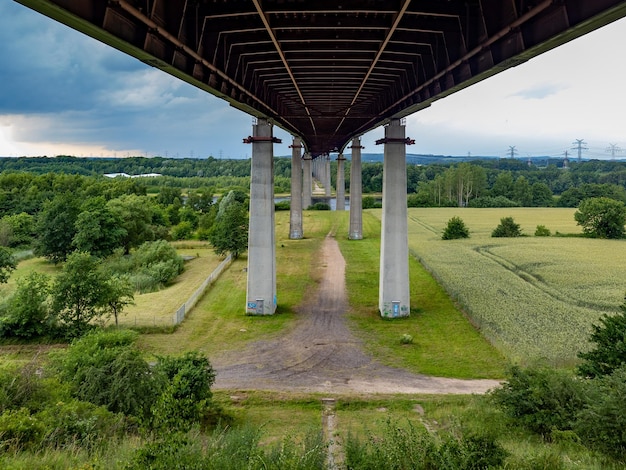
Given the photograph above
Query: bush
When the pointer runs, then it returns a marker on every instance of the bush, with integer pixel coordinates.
(319, 206)
(282, 206)
(79, 423)
(105, 369)
(19, 430)
(609, 352)
(540, 399)
(542, 231)
(507, 228)
(151, 266)
(27, 311)
(491, 201)
(369, 202)
(406, 339)
(602, 421)
(186, 392)
(182, 231)
(455, 229)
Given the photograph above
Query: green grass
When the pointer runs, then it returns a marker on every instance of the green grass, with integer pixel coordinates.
(444, 342)
(218, 322)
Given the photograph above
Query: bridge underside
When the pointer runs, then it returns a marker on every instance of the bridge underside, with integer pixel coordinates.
(330, 70)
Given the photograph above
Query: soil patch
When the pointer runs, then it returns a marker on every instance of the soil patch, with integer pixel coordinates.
(320, 354)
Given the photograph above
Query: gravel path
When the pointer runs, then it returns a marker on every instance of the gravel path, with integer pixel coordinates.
(320, 354)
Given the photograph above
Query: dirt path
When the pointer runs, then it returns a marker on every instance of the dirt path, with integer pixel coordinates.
(321, 355)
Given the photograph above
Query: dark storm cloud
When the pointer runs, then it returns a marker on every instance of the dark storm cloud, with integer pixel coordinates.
(93, 94)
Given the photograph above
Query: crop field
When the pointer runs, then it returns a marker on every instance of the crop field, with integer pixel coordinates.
(532, 297)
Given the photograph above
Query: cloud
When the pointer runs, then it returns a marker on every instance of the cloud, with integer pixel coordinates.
(540, 91)
(63, 90)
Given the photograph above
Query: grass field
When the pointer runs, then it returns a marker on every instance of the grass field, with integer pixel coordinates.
(218, 322)
(445, 343)
(532, 297)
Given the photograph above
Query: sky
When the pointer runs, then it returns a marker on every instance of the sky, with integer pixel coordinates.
(63, 93)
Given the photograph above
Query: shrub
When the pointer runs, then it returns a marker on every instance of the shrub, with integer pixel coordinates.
(319, 206)
(609, 352)
(542, 231)
(406, 339)
(186, 392)
(19, 430)
(603, 420)
(369, 202)
(182, 231)
(540, 399)
(507, 228)
(79, 423)
(27, 311)
(282, 206)
(455, 229)
(105, 369)
(491, 201)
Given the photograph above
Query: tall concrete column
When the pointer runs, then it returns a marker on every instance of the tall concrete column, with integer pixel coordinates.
(356, 192)
(393, 297)
(295, 211)
(341, 184)
(261, 294)
(327, 189)
(307, 181)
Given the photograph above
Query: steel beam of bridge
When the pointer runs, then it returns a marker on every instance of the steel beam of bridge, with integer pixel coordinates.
(327, 71)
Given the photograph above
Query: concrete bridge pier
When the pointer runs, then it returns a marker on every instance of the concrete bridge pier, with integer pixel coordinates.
(326, 171)
(307, 181)
(261, 291)
(393, 297)
(341, 184)
(356, 192)
(295, 210)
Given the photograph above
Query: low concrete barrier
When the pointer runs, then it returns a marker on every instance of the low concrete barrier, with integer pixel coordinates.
(179, 315)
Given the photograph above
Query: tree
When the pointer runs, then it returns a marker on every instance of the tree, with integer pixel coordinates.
(99, 230)
(78, 292)
(118, 293)
(16, 230)
(136, 213)
(455, 229)
(230, 230)
(503, 186)
(542, 195)
(609, 353)
(507, 228)
(602, 217)
(7, 264)
(27, 312)
(56, 227)
(522, 192)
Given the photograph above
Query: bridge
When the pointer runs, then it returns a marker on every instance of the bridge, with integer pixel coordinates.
(328, 71)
